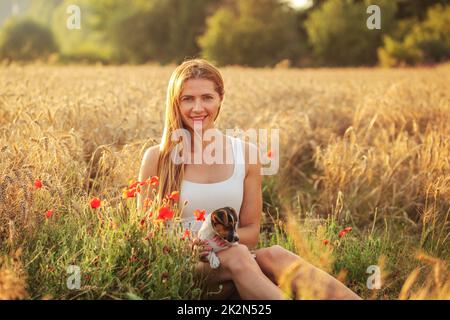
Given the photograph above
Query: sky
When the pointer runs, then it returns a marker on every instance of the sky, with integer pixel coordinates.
(6, 8)
(300, 4)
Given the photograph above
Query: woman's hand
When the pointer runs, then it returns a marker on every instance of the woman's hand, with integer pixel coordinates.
(202, 247)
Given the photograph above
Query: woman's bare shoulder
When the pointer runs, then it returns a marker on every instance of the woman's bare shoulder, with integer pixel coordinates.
(149, 165)
(152, 151)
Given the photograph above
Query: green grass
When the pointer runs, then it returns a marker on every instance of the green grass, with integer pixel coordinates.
(116, 257)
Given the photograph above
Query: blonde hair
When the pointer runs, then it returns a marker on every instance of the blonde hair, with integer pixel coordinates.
(171, 174)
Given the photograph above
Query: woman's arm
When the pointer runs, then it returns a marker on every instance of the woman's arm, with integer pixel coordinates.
(251, 209)
(149, 167)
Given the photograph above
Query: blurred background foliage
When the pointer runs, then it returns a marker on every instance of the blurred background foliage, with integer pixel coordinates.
(254, 33)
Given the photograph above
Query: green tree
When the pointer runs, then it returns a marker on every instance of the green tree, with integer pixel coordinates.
(161, 30)
(415, 8)
(88, 43)
(339, 35)
(251, 32)
(26, 40)
(425, 42)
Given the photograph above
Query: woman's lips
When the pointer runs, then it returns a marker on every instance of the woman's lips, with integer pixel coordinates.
(199, 118)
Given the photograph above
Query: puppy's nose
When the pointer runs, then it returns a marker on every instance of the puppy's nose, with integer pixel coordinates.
(236, 238)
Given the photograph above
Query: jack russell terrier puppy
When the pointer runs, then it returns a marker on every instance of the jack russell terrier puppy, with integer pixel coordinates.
(222, 223)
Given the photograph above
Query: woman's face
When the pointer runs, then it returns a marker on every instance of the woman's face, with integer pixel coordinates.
(199, 104)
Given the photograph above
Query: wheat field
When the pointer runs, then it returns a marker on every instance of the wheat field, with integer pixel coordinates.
(362, 148)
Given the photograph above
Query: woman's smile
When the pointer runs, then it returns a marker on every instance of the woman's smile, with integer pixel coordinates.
(199, 118)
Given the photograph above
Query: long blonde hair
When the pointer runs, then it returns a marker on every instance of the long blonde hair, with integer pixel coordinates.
(171, 174)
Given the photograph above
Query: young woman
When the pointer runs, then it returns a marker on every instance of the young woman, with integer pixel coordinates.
(195, 95)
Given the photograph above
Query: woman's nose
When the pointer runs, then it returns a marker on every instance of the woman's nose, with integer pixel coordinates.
(198, 105)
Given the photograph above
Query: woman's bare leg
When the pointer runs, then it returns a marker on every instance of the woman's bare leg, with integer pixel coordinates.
(238, 265)
(219, 284)
(308, 281)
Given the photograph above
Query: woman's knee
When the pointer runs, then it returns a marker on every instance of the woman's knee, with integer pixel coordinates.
(274, 260)
(236, 259)
(273, 253)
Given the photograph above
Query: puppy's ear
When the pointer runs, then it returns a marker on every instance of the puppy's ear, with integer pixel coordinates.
(233, 214)
(219, 216)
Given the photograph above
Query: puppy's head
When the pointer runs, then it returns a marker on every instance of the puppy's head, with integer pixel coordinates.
(224, 221)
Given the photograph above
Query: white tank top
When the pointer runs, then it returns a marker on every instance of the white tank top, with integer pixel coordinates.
(212, 196)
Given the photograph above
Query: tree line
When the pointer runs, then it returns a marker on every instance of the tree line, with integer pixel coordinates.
(255, 33)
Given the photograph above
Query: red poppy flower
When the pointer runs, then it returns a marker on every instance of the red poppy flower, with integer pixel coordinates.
(326, 242)
(199, 214)
(186, 234)
(342, 233)
(269, 153)
(165, 213)
(154, 180)
(133, 185)
(49, 214)
(142, 222)
(131, 193)
(95, 203)
(175, 195)
(37, 184)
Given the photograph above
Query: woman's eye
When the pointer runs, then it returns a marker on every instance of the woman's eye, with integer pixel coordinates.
(190, 98)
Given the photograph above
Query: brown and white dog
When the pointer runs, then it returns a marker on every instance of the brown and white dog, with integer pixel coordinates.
(222, 223)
